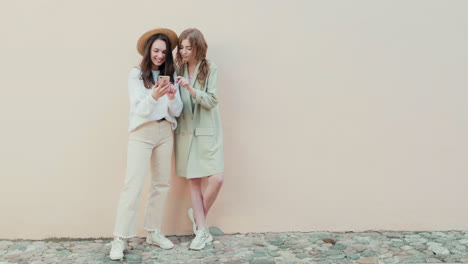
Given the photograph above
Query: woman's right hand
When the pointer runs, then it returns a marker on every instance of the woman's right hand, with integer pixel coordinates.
(160, 89)
(183, 82)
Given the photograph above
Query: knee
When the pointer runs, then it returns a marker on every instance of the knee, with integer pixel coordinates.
(130, 195)
(217, 180)
(130, 189)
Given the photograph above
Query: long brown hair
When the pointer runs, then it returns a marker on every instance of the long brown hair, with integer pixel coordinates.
(146, 65)
(200, 47)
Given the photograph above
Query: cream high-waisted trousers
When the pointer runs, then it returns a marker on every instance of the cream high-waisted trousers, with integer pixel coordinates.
(149, 146)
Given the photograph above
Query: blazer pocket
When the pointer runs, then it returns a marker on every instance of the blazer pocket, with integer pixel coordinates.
(206, 141)
(204, 131)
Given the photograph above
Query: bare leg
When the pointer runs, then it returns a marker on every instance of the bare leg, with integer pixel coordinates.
(214, 184)
(197, 202)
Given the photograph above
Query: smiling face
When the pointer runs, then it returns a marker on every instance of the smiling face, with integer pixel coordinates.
(186, 51)
(158, 53)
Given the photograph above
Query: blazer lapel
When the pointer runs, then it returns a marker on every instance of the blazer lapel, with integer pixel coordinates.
(185, 94)
(192, 83)
(195, 73)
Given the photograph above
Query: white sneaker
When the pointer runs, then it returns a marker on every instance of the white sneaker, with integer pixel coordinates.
(157, 238)
(190, 215)
(202, 238)
(194, 226)
(118, 247)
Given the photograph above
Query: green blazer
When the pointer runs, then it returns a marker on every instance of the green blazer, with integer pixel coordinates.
(199, 134)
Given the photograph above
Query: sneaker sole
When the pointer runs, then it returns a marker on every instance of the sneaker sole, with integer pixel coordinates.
(206, 243)
(116, 259)
(149, 241)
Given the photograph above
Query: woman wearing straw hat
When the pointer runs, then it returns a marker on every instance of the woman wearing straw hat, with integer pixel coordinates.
(154, 107)
(199, 138)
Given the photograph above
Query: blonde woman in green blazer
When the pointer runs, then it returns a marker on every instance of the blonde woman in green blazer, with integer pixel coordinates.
(199, 137)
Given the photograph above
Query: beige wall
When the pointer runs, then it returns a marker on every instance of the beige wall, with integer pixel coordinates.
(338, 115)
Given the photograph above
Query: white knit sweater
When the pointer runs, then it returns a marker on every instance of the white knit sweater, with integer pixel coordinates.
(144, 108)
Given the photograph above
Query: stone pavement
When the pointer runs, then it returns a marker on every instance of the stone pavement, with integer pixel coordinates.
(256, 248)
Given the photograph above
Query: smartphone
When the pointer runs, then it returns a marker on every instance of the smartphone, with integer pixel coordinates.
(163, 77)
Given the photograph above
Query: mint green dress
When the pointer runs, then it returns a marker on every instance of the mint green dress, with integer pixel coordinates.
(199, 133)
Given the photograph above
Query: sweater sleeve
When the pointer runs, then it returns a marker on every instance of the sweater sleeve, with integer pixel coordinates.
(175, 106)
(209, 99)
(141, 103)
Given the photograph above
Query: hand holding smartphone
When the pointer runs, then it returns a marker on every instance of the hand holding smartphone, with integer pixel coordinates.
(162, 86)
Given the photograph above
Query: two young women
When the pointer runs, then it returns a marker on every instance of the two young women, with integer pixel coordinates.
(188, 104)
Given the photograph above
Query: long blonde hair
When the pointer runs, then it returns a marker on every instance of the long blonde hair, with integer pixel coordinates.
(200, 47)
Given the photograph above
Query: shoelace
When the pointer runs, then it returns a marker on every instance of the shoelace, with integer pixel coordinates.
(158, 235)
(203, 235)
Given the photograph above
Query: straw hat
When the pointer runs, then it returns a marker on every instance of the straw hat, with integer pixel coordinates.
(171, 35)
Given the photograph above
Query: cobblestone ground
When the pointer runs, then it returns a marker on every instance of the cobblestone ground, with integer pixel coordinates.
(256, 248)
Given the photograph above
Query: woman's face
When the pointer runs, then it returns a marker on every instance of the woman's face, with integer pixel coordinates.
(158, 52)
(185, 50)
